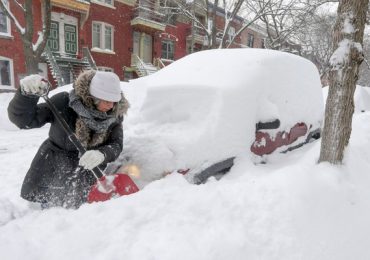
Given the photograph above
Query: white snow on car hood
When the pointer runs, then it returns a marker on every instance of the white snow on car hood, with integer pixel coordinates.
(204, 107)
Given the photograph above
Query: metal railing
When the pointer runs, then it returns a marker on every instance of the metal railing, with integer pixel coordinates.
(88, 57)
(55, 70)
(139, 64)
(148, 11)
(158, 63)
(142, 68)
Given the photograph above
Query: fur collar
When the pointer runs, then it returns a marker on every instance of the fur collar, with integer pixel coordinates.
(87, 137)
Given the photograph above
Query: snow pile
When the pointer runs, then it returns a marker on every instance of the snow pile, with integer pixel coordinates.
(4, 101)
(290, 208)
(361, 98)
(195, 114)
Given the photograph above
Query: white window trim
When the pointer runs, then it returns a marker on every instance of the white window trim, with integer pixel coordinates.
(104, 4)
(11, 74)
(96, 49)
(248, 39)
(103, 68)
(63, 19)
(231, 33)
(173, 46)
(102, 37)
(8, 24)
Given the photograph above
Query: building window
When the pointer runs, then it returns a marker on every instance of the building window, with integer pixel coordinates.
(108, 2)
(6, 70)
(100, 68)
(4, 22)
(231, 33)
(168, 50)
(127, 75)
(250, 40)
(210, 24)
(102, 36)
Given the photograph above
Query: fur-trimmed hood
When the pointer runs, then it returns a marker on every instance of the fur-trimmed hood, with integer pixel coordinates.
(82, 90)
(88, 137)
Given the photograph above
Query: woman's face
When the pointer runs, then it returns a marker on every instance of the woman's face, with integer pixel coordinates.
(104, 106)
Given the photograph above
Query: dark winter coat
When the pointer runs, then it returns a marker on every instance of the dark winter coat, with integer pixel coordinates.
(54, 176)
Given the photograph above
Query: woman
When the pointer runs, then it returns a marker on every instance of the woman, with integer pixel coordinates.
(94, 110)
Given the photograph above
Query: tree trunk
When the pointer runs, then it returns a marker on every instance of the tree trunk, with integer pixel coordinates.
(32, 53)
(30, 59)
(345, 61)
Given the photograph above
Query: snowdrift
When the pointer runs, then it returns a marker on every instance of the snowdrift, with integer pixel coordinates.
(204, 107)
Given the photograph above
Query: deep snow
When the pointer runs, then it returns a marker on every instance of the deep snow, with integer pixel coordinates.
(289, 208)
(194, 115)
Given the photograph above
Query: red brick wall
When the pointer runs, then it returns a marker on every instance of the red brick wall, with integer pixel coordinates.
(12, 48)
(122, 44)
(180, 32)
(120, 18)
(257, 38)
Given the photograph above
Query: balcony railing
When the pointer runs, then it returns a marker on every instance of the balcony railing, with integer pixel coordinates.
(149, 13)
(198, 33)
(146, 14)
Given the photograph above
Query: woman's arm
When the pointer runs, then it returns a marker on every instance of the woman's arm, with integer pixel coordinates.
(113, 146)
(24, 112)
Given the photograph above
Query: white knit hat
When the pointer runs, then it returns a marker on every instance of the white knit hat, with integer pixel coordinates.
(106, 86)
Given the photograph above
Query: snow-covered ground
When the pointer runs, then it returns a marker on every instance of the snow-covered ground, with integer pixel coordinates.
(289, 208)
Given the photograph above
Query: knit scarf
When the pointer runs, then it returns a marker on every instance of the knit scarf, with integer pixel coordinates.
(92, 125)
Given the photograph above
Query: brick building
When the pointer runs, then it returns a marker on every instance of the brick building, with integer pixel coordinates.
(133, 38)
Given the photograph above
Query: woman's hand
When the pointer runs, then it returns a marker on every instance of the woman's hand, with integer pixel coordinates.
(91, 159)
(34, 85)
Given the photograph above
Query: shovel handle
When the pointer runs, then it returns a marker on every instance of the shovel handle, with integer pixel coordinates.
(96, 171)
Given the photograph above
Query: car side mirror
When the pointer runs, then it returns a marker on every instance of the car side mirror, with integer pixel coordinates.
(274, 124)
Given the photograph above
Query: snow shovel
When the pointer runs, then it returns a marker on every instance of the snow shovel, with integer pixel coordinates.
(107, 186)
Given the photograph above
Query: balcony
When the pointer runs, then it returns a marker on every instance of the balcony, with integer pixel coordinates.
(147, 18)
(199, 35)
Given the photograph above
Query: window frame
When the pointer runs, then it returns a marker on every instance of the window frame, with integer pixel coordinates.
(8, 25)
(231, 33)
(250, 40)
(11, 73)
(102, 41)
(104, 68)
(104, 3)
(173, 50)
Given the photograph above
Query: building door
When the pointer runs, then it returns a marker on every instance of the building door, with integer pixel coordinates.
(70, 39)
(63, 34)
(136, 44)
(53, 41)
(147, 48)
(143, 46)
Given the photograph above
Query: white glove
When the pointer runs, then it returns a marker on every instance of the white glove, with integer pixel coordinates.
(34, 85)
(91, 159)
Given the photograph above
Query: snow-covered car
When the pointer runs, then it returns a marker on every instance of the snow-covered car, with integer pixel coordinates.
(215, 105)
